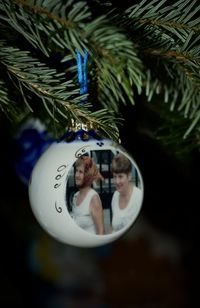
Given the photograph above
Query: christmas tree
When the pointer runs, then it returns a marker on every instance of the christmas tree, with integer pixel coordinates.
(147, 51)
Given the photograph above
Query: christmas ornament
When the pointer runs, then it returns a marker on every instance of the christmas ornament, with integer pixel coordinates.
(52, 189)
(85, 190)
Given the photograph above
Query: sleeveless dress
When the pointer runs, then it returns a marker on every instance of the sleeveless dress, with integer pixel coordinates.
(123, 217)
(81, 213)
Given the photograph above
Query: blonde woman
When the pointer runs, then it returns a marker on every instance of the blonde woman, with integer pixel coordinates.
(87, 208)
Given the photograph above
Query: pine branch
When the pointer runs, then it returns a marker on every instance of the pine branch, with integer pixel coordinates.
(152, 48)
(14, 112)
(109, 48)
(177, 16)
(56, 93)
(170, 38)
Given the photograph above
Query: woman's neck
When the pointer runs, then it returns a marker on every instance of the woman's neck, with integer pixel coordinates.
(82, 194)
(125, 196)
(128, 191)
(84, 189)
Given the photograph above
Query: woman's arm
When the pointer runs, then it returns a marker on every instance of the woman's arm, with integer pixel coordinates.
(96, 210)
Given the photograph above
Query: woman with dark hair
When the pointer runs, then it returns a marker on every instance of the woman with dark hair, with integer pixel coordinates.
(87, 208)
(127, 198)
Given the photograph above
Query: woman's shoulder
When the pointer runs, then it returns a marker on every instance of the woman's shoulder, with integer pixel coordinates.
(92, 192)
(137, 190)
(136, 195)
(75, 195)
(95, 199)
(116, 194)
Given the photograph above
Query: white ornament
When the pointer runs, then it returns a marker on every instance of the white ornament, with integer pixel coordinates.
(51, 184)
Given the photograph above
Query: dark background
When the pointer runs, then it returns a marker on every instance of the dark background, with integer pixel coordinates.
(156, 264)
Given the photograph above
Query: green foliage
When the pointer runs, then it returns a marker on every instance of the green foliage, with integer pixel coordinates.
(150, 48)
(172, 42)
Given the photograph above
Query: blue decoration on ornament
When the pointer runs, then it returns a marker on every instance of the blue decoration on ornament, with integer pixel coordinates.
(33, 139)
(69, 136)
(81, 134)
(30, 143)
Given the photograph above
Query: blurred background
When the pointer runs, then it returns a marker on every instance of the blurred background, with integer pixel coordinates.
(155, 265)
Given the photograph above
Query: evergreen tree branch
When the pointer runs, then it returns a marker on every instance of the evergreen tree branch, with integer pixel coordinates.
(170, 36)
(152, 48)
(107, 45)
(14, 111)
(52, 87)
(170, 17)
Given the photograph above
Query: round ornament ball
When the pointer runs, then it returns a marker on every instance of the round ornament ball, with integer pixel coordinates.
(55, 198)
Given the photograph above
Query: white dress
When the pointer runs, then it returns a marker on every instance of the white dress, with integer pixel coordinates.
(123, 217)
(81, 213)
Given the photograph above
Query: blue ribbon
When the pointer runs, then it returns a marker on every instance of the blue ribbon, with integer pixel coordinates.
(82, 71)
(70, 135)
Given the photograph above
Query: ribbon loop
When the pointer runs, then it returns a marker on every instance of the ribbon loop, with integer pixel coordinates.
(82, 71)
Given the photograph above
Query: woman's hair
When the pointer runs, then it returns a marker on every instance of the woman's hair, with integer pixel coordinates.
(91, 172)
(121, 164)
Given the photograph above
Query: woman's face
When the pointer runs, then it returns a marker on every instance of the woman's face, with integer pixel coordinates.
(79, 175)
(121, 181)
